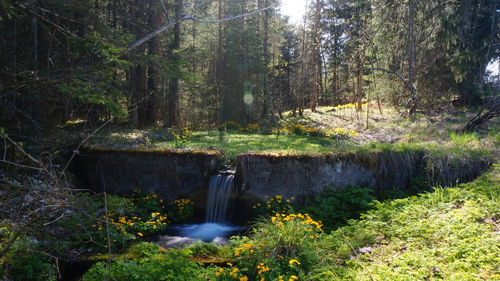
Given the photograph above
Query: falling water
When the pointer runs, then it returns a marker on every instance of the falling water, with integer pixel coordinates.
(220, 198)
(220, 202)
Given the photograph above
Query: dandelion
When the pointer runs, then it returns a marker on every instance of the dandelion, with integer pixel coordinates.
(140, 234)
(293, 261)
(244, 278)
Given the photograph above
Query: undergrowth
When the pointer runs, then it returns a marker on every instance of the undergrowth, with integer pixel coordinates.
(449, 234)
(446, 234)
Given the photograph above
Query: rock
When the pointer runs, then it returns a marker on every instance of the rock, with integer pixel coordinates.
(364, 250)
(167, 241)
(220, 241)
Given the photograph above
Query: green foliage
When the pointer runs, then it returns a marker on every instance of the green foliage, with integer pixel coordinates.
(127, 220)
(335, 207)
(25, 261)
(416, 186)
(148, 262)
(97, 84)
(181, 137)
(204, 249)
(119, 205)
(464, 139)
(280, 247)
(24, 265)
(274, 205)
(448, 234)
(147, 203)
(180, 210)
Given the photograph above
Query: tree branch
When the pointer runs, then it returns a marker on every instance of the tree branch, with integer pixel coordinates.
(162, 28)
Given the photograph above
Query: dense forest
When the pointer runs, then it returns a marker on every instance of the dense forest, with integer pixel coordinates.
(171, 63)
(266, 140)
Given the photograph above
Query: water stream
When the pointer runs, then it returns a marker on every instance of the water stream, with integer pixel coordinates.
(220, 199)
(217, 226)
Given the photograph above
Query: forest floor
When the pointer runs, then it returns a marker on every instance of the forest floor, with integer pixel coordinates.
(358, 130)
(384, 124)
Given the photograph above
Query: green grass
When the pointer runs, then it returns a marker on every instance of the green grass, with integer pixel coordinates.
(436, 132)
(234, 143)
(449, 234)
(464, 138)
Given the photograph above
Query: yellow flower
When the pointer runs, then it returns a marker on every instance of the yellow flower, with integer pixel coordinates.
(244, 278)
(293, 278)
(248, 246)
(237, 251)
(292, 261)
(140, 234)
(230, 264)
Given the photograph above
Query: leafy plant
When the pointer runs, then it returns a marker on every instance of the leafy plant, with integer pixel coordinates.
(26, 262)
(180, 210)
(204, 249)
(181, 137)
(279, 248)
(274, 205)
(148, 262)
(335, 207)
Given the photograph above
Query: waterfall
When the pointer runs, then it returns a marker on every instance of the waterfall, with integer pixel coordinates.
(221, 193)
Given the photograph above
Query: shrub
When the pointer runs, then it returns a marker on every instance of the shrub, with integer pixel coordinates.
(148, 262)
(147, 203)
(335, 207)
(25, 261)
(25, 265)
(181, 137)
(204, 250)
(275, 205)
(280, 248)
(180, 210)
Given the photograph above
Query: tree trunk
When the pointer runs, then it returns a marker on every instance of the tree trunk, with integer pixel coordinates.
(265, 47)
(153, 93)
(412, 54)
(173, 93)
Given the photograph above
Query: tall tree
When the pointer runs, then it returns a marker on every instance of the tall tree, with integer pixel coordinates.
(173, 92)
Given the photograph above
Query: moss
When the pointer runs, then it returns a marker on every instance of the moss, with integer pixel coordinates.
(153, 150)
(449, 234)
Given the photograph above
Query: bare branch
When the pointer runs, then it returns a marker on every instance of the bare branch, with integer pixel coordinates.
(76, 151)
(187, 17)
